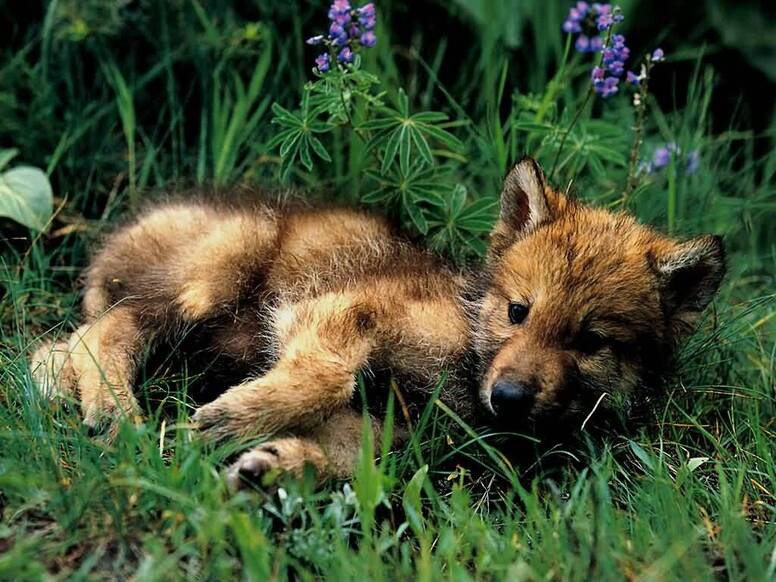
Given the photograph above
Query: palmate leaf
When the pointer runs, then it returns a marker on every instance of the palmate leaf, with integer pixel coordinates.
(297, 140)
(408, 136)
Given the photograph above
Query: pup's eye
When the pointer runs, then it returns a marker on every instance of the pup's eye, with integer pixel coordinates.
(517, 313)
(589, 342)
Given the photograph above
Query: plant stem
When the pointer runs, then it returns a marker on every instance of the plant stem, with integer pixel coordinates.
(577, 115)
(638, 136)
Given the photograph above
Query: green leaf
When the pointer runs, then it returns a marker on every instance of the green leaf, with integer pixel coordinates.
(6, 156)
(379, 123)
(292, 140)
(390, 151)
(429, 117)
(318, 148)
(422, 145)
(457, 199)
(642, 455)
(374, 196)
(404, 149)
(304, 154)
(411, 500)
(416, 215)
(26, 196)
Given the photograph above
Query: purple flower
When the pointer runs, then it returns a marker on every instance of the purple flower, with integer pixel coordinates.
(604, 21)
(367, 10)
(617, 68)
(658, 55)
(583, 7)
(345, 55)
(607, 87)
(571, 26)
(339, 6)
(693, 162)
(368, 39)
(597, 74)
(582, 44)
(368, 22)
(338, 35)
(596, 44)
(336, 30)
(661, 157)
(632, 78)
(313, 40)
(322, 62)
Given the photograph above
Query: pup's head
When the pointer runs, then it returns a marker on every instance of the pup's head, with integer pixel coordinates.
(581, 307)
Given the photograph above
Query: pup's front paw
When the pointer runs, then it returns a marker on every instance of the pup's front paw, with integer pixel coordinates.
(219, 421)
(103, 415)
(262, 465)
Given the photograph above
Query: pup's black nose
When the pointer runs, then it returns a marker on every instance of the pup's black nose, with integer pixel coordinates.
(511, 399)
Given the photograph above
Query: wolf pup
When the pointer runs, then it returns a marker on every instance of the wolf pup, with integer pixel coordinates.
(575, 308)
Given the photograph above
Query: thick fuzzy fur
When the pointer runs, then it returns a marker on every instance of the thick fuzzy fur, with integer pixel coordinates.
(308, 298)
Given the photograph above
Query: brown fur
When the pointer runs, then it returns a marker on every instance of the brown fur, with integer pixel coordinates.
(321, 294)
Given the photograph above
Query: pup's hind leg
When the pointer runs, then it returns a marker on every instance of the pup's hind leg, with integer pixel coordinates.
(97, 365)
(52, 370)
(323, 343)
(103, 355)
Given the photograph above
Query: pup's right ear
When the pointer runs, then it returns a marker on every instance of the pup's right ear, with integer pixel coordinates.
(523, 204)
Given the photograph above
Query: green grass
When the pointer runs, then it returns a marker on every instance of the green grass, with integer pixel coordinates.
(118, 103)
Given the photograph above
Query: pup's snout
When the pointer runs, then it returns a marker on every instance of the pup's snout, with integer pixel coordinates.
(512, 399)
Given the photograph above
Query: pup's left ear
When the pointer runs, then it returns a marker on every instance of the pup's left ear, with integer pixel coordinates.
(689, 276)
(523, 205)
(523, 201)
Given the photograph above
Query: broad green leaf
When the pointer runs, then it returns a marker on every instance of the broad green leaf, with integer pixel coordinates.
(26, 196)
